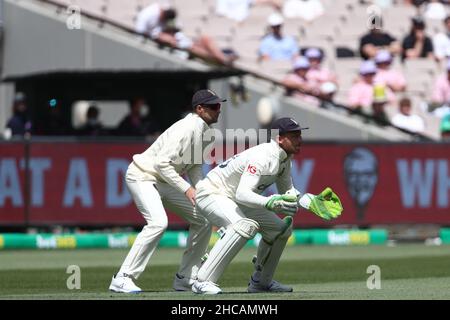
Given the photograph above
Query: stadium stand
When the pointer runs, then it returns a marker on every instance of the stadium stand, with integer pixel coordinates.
(337, 30)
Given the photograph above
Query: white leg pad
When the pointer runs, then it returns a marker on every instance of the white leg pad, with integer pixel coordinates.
(226, 248)
(269, 255)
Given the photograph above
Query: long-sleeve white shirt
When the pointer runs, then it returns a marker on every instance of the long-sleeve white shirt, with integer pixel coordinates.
(246, 175)
(176, 152)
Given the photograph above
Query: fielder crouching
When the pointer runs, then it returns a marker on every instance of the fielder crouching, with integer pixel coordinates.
(230, 197)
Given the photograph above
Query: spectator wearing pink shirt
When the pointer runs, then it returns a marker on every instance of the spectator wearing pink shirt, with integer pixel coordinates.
(394, 79)
(317, 72)
(298, 84)
(362, 92)
(441, 89)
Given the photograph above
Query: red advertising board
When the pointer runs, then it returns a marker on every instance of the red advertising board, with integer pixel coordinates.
(82, 183)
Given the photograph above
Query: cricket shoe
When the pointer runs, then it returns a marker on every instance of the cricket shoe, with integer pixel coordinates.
(123, 283)
(181, 283)
(205, 287)
(274, 286)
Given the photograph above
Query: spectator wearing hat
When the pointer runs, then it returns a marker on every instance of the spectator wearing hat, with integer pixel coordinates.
(361, 94)
(394, 79)
(376, 40)
(417, 44)
(318, 73)
(440, 97)
(405, 119)
(441, 42)
(19, 124)
(276, 46)
(327, 92)
(445, 128)
(299, 85)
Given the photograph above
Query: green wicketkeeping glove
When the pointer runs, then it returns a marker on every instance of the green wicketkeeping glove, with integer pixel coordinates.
(285, 204)
(326, 205)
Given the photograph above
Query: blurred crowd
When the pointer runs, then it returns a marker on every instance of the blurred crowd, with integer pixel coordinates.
(379, 88)
(136, 123)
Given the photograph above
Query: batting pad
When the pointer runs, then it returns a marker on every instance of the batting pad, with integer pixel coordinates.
(269, 255)
(226, 248)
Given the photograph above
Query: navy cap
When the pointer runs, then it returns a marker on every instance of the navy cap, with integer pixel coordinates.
(285, 125)
(206, 96)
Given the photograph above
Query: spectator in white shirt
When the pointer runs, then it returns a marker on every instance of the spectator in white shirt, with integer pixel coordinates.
(405, 119)
(239, 10)
(308, 10)
(441, 42)
(152, 19)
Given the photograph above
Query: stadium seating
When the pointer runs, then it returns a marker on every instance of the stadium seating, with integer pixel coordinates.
(341, 26)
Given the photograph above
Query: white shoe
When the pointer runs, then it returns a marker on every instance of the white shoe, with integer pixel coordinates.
(205, 287)
(123, 283)
(274, 286)
(181, 283)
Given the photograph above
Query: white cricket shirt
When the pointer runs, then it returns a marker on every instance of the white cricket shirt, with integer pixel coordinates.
(246, 175)
(176, 152)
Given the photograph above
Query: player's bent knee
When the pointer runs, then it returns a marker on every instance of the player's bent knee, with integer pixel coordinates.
(247, 228)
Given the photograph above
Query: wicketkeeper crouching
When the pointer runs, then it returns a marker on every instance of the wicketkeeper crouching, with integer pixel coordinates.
(230, 197)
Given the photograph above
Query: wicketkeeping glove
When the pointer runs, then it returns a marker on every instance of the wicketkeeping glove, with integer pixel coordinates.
(285, 204)
(326, 205)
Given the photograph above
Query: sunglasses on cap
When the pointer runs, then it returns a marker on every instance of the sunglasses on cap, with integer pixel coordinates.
(214, 107)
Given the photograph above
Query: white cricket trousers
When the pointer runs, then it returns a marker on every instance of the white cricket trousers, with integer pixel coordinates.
(151, 198)
(223, 212)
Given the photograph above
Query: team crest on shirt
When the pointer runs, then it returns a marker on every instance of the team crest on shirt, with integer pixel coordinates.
(251, 169)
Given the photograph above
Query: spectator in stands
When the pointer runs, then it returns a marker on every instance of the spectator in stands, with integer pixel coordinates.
(361, 94)
(19, 124)
(239, 10)
(379, 101)
(441, 42)
(152, 19)
(445, 128)
(434, 10)
(298, 84)
(307, 10)
(327, 92)
(318, 73)
(135, 123)
(417, 44)
(203, 46)
(377, 40)
(440, 97)
(93, 126)
(394, 79)
(275, 46)
(405, 119)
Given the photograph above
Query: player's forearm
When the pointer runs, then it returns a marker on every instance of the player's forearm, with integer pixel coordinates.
(195, 174)
(250, 199)
(167, 172)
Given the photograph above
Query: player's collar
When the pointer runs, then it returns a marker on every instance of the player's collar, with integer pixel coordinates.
(279, 152)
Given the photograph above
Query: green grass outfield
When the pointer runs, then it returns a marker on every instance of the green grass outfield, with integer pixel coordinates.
(316, 272)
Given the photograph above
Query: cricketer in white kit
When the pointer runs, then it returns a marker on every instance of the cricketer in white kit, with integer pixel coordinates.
(154, 179)
(230, 197)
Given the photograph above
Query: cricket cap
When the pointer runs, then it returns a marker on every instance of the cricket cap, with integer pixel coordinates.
(285, 125)
(206, 96)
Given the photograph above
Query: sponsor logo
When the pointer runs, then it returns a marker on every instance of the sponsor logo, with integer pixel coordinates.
(251, 169)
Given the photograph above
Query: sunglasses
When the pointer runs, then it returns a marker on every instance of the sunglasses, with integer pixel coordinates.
(214, 107)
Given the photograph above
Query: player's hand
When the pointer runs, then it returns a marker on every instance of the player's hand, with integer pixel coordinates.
(285, 204)
(326, 205)
(190, 194)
